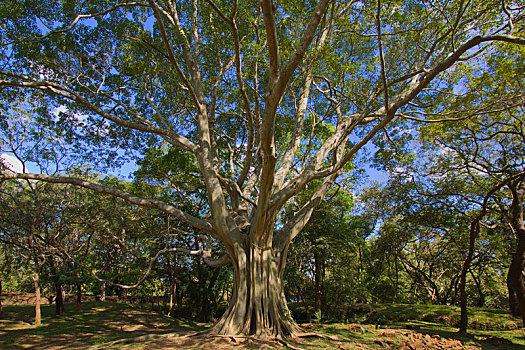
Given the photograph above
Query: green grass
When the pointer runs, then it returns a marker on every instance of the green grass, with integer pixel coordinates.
(97, 323)
(443, 320)
(479, 318)
(386, 326)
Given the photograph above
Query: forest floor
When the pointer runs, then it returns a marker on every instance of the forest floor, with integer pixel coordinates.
(111, 325)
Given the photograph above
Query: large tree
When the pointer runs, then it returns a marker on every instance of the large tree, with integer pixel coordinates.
(265, 98)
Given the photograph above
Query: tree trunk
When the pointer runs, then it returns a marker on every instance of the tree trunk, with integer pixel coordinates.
(517, 267)
(173, 287)
(38, 317)
(473, 234)
(0, 299)
(79, 297)
(59, 300)
(513, 298)
(103, 291)
(319, 285)
(481, 299)
(173, 293)
(396, 283)
(517, 281)
(258, 304)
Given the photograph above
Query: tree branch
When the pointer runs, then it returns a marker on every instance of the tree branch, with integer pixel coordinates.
(206, 256)
(148, 203)
(381, 55)
(271, 41)
(59, 90)
(171, 56)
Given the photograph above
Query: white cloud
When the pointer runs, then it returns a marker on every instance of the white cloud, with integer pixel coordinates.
(12, 163)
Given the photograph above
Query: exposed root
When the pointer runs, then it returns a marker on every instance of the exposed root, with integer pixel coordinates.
(140, 339)
(235, 338)
(276, 342)
(323, 336)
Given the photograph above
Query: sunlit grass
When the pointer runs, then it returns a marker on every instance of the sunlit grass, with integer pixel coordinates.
(97, 323)
(382, 326)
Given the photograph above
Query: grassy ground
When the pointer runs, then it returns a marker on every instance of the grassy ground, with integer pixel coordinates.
(97, 323)
(111, 325)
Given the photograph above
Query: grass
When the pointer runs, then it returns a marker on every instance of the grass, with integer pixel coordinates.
(443, 320)
(97, 323)
(479, 318)
(383, 326)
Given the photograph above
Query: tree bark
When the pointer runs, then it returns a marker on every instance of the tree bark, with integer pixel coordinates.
(38, 317)
(0, 299)
(173, 292)
(103, 291)
(319, 274)
(173, 287)
(513, 298)
(258, 305)
(481, 299)
(515, 277)
(473, 234)
(59, 300)
(79, 297)
(517, 281)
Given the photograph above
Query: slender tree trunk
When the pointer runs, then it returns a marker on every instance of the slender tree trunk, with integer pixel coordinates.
(396, 284)
(318, 285)
(103, 291)
(79, 297)
(473, 234)
(513, 297)
(203, 314)
(38, 317)
(1, 299)
(481, 298)
(179, 298)
(59, 300)
(173, 287)
(173, 293)
(258, 304)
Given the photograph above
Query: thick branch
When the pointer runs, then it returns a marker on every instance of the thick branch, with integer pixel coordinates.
(295, 140)
(271, 41)
(302, 47)
(381, 55)
(59, 90)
